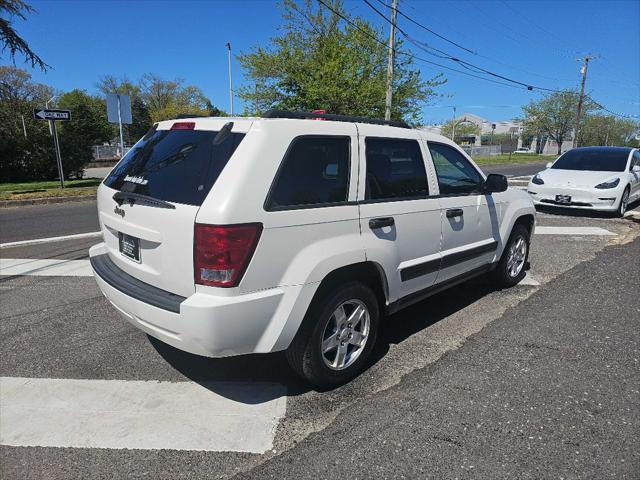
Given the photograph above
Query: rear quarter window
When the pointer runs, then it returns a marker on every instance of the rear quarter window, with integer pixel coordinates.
(178, 166)
(314, 173)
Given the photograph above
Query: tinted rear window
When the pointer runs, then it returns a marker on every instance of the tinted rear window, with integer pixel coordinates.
(597, 160)
(174, 165)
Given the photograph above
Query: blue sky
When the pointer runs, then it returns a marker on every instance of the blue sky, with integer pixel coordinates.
(535, 42)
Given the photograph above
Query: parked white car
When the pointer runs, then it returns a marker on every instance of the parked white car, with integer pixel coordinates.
(523, 150)
(229, 236)
(595, 178)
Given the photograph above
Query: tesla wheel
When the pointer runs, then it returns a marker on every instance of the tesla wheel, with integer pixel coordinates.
(336, 337)
(624, 202)
(511, 267)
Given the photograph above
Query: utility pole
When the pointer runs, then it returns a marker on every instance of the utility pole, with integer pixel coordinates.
(583, 71)
(230, 80)
(453, 129)
(392, 48)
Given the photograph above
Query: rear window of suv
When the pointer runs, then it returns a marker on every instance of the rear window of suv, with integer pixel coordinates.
(177, 166)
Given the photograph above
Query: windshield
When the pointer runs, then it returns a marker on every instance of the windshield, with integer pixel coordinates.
(597, 160)
(174, 165)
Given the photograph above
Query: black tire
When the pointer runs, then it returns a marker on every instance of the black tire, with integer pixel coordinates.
(502, 277)
(305, 352)
(622, 206)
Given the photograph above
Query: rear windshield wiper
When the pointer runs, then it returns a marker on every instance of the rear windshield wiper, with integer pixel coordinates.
(121, 197)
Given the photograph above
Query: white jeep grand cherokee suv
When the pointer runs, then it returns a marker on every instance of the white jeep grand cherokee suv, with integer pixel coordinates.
(229, 236)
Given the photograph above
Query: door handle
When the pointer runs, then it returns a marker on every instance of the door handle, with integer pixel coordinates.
(455, 212)
(381, 222)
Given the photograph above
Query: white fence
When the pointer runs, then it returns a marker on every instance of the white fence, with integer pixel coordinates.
(103, 153)
(483, 151)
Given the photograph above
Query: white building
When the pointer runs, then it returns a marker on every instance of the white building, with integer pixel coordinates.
(487, 127)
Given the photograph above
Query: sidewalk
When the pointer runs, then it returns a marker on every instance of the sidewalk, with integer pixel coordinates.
(550, 390)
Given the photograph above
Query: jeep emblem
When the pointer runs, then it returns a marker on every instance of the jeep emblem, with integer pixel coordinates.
(119, 211)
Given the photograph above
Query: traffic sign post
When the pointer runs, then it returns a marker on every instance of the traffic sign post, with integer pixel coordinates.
(119, 111)
(52, 116)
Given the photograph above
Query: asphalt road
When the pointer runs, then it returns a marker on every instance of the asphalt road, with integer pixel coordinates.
(538, 348)
(550, 390)
(41, 221)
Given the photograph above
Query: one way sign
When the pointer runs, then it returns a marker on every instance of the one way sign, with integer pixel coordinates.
(46, 114)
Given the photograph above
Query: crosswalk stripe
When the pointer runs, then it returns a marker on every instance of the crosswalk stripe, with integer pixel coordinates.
(148, 415)
(45, 267)
(35, 241)
(597, 231)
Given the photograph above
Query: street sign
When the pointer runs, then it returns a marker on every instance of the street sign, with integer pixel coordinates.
(118, 108)
(49, 114)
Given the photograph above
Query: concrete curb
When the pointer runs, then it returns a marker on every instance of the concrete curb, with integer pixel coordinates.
(45, 201)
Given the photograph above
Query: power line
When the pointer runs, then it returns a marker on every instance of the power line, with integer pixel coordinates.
(429, 30)
(410, 55)
(425, 47)
(474, 52)
(616, 114)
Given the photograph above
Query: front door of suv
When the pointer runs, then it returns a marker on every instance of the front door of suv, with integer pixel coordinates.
(470, 230)
(400, 223)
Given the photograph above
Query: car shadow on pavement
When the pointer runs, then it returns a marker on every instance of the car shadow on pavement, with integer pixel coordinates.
(216, 373)
(398, 327)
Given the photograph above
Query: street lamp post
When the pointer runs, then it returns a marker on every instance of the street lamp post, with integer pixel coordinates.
(230, 80)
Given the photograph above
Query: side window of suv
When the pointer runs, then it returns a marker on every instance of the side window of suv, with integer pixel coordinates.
(395, 169)
(313, 173)
(456, 176)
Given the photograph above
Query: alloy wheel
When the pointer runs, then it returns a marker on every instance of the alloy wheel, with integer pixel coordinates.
(345, 334)
(516, 257)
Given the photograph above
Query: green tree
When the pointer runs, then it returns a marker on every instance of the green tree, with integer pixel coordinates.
(320, 62)
(30, 157)
(463, 128)
(167, 99)
(608, 130)
(554, 115)
(88, 127)
(9, 37)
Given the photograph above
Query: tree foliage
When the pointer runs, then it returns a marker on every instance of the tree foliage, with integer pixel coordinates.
(9, 37)
(88, 126)
(23, 157)
(319, 62)
(608, 130)
(554, 115)
(463, 128)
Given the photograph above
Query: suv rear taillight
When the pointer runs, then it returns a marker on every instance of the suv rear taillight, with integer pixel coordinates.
(222, 252)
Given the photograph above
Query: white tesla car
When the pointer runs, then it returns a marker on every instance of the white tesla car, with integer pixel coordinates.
(595, 178)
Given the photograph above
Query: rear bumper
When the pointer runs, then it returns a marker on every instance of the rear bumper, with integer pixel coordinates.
(202, 324)
(587, 198)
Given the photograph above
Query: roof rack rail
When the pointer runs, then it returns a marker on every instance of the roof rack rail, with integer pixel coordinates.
(190, 115)
(273, 113)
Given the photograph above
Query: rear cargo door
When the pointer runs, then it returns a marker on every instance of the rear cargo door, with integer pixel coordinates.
(148, 204)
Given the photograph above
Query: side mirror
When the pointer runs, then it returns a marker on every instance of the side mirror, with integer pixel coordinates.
(495, 183)
(549, 164)
(635, 168)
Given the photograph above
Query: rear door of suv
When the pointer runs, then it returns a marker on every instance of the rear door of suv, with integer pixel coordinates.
(148, 204)
(400, 223)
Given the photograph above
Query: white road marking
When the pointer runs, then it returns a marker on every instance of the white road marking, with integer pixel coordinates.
(35, 241)
(529, 280)
(42, 267)
(522, 178)
(597, 231)
(218, 417)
